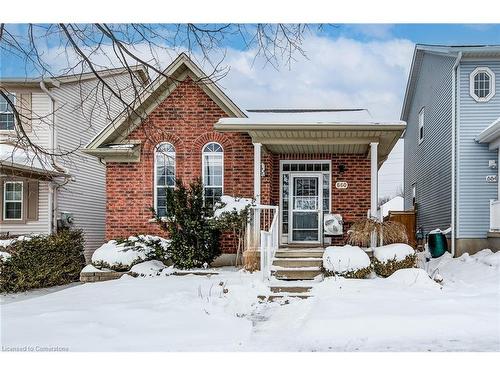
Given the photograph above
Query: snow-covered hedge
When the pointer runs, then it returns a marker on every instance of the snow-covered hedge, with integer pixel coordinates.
(390, 258)
(122, 255)
(347, 261)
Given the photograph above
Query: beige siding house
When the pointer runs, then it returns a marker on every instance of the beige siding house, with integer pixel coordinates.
(62, 116)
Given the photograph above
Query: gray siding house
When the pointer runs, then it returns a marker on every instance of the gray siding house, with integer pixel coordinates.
(451, 167)
(61, 116)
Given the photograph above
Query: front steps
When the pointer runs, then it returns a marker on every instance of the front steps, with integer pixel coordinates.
(294, 271)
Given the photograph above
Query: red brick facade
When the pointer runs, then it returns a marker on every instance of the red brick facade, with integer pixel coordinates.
(186, 119)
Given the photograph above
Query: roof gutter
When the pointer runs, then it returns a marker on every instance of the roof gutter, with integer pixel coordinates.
(453, 148)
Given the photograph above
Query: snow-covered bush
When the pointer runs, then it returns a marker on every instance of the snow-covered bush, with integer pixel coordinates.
(149, 268)
(347, 261)
(121, 255)
(43, 261)
(390, 258)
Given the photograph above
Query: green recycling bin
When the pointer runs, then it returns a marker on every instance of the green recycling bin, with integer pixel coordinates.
(438, 245)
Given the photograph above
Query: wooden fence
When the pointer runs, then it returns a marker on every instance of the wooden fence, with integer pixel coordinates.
(408, 219)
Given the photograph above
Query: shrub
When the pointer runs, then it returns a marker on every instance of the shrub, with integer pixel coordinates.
(390, 266)
(346, 261)
(359, 233)
(43, 261)
(194, 236)
(122, 254)
(362, 273)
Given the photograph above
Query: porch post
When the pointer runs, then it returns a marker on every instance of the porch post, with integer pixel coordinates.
(374, 188)
(257, 151)
(374, 178)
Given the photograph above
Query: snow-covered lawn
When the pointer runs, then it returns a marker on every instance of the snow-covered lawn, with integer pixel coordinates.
(405, 312)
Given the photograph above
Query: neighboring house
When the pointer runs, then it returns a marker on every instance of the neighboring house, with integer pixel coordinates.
(395, 204)
(307, 162)
(60, 116)
(451, 173)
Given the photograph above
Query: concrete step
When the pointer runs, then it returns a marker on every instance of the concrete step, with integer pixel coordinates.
(296, 274)
(289, 289)
(283, 297)
(299, 253)
(297, 262)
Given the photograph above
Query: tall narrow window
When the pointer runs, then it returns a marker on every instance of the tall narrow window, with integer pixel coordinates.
(164, 176)
(213, 172)
(421, 129)
(13, 200)
(6, 113)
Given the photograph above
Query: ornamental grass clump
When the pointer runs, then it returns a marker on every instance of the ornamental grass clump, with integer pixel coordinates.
(389, 231)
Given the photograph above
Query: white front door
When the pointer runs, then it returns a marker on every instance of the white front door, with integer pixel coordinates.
(305, 207)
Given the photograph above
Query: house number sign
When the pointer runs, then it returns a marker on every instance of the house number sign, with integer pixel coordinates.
(341, 185)
(491, 178)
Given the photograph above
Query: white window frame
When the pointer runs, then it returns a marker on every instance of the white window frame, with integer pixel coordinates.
(421, 125)
(5, 201)
(488, 71)
(11, 112)
(155, 183)
(209, 153)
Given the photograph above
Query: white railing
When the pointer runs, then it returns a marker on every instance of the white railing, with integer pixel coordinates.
(495, 215)
(262, 235)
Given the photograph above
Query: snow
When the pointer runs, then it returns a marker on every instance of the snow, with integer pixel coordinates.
(297, 116)
(415, 277)
(397, 251)
(404, 312)
(437, 230)
(148, 268)
(114, 254)
(17, 157)
(230, 204)
(90, 268)
(4, 255)
(343, 259)
(395, 204)
(10, 241)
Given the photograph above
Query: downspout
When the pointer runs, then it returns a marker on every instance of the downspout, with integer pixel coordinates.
(52, 146)
(453, 148)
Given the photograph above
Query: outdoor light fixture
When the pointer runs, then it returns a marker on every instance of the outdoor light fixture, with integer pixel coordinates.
(342, 168)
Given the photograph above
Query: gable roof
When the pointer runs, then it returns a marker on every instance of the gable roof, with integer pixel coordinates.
(79, 77)
(157, 91)
(466, 51)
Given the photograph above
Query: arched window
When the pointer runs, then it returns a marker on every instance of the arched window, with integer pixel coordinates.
(213, 172)
(164, 175)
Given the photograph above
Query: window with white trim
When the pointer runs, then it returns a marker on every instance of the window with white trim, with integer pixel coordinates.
(421, 129)
(482, 84)
(6, 113)
(213, 172)
(164, 176)
(13, 200)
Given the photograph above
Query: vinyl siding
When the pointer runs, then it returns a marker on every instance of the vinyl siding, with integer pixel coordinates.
(41, 107)
(429, 164)
(86, 109)
(473, 192)
(40, 226)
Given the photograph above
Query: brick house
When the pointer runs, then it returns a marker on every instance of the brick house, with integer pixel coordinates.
(184, 126)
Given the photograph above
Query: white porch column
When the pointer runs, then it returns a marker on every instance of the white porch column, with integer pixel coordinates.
(374, 188)
(257, 151)
(374, 178)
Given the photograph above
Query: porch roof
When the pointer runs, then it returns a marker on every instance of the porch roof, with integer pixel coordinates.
(317, 131)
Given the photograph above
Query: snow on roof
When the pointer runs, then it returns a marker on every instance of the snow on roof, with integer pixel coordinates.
(16, 157)
(304, 116)
(395, 204)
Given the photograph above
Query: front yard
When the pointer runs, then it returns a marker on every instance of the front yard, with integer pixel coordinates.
(221, 313)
